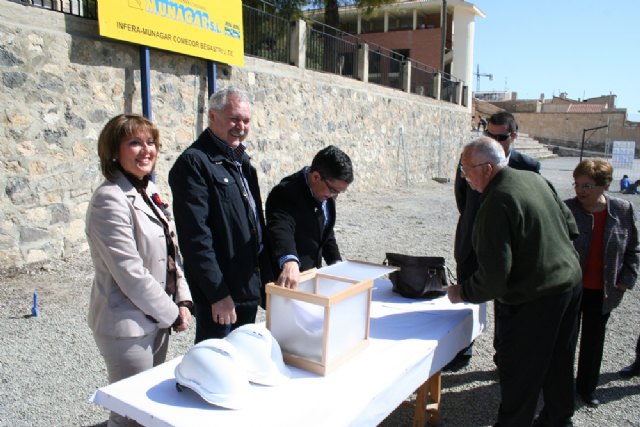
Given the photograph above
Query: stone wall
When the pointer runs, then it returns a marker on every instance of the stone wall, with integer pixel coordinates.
(567, 128)
(61, 82)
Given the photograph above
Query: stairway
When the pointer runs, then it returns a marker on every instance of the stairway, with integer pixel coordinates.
(531, 147)
(526, 145)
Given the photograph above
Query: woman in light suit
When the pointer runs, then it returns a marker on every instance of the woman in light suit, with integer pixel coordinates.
(139, 292)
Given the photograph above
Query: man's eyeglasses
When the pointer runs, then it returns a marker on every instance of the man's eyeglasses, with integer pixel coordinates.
(467, 169)
(499, 138)
(587, 186)
(333, 191)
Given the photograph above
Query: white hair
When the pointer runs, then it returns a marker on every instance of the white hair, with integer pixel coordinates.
(485, 149)
(220, 98)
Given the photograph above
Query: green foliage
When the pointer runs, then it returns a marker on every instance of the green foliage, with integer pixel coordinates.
(90, 9)
(294, 8)
(290, 9)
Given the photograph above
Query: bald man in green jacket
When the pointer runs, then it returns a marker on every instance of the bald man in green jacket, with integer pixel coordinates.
(527, 264)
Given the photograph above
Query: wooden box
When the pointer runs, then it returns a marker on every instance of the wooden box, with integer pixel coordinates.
(325, 320)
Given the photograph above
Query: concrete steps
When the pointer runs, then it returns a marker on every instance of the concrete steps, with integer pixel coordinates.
(532, 147)
(527, 145)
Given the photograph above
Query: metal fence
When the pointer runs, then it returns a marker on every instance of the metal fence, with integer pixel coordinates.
(448, 91)
(385, 67)
(331, 51)
(423, 79)
(82, 8)
(265, 35)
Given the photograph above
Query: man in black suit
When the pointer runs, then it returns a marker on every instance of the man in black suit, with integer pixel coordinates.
(301, 213)
(503, 128)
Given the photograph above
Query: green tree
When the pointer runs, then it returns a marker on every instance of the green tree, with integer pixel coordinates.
(331, 7)
(294, 8)
(285, 8)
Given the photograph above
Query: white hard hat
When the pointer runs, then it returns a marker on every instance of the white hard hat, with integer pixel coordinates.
(260, 353)
(212, 368)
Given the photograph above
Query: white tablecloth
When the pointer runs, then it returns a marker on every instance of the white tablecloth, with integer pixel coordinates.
(410, 340)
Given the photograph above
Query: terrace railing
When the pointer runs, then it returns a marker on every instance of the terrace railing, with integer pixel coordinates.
(449, 86)
(331, 51)
(385, 67)
(423, 79)
(265, 35)
(82, 8)
(268, 35)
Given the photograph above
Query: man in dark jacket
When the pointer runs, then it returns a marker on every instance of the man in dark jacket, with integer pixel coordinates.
(527, 264)
(301, 213)
(219, 219)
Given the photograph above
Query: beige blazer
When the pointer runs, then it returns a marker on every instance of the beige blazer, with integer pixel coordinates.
(129, 255)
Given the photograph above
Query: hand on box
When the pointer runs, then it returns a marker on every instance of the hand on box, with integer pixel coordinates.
(290, 275)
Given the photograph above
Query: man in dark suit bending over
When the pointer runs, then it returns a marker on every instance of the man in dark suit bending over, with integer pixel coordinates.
(301, 213)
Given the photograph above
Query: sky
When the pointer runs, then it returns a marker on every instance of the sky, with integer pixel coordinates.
(585, 48)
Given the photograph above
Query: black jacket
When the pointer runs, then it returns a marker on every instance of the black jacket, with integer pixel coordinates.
(216, 227)
(295, 224)
(468, 202)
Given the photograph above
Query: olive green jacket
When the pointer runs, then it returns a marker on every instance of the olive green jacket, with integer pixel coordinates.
(522, 237)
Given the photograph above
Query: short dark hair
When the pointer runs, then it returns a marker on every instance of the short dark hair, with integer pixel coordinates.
(116, 129)
(333, 163)
(504, 118)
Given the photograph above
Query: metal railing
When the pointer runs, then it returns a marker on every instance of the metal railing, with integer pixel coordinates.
(265, 35)
(331, 51)
(448, 91)
(268, 36)
(423, 79)
(385, 67)
(81, 8)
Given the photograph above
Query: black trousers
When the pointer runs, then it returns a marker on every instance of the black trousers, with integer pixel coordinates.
(594, 326)
(535, 346)
(206, 328)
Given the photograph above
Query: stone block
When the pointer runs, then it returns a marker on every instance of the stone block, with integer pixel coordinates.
(11, 257)
(36, 255)
(30, 234)
(74, 232)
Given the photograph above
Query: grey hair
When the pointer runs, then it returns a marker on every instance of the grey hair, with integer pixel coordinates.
(220, 98)
(485, 149)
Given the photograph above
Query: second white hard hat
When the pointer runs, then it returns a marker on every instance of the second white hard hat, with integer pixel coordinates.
(260, 354)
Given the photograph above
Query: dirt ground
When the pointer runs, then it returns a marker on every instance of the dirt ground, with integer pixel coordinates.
(418, 219)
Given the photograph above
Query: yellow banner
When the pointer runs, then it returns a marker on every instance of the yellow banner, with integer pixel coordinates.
(210, 29)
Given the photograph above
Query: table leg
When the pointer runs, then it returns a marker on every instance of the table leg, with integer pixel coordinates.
(427, 406)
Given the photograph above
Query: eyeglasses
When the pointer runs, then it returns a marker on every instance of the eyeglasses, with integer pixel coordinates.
(587, 186)
(467, 169)
(499, 138)
(333, 191)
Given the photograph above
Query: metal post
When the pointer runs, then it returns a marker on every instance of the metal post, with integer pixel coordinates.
(211, 78)
(145, 87)
(145, 82)
(443, 33)
(584, 131)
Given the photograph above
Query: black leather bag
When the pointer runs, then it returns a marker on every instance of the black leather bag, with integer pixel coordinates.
(419, 276)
